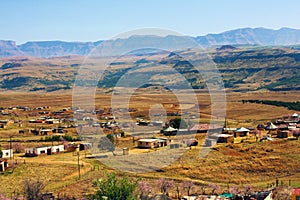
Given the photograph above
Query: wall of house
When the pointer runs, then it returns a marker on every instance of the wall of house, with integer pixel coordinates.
(7, 153)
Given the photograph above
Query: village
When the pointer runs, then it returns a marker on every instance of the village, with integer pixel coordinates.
(58, 131)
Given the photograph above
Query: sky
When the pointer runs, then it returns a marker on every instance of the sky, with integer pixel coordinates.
(93, 20)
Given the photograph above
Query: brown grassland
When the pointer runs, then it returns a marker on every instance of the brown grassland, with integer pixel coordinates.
(255, 163)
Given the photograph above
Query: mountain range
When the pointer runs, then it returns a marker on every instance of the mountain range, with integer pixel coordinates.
(243, 36)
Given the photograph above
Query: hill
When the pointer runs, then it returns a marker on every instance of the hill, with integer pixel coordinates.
(242, 69)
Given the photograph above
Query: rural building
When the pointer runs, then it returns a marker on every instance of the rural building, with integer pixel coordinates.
(3, 165)
(7, 153)
(296, 194)
(203, 128)
(170, 131)
(260, 127)
(5, 123)
(271, 126)
(225, 138)
(241, 132)
(85, 146)
(23, 131)
(284, 134)
(49, 150)
(210, 142)
(46, 132)
(52, 121)
(152, 143)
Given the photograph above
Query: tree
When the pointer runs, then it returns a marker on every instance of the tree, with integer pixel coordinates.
(178, 123)
(187, 185)
(144, 189)
(105, 143)
(214, 188)
(164, 185)
(33, 189)
(114, 188)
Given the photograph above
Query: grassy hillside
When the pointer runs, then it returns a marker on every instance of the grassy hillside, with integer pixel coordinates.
(242, 69)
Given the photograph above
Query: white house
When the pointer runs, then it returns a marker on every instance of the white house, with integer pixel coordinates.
(7, 153)
(48, 150)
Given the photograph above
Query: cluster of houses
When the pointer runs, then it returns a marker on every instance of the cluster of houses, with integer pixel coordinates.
(287, 127)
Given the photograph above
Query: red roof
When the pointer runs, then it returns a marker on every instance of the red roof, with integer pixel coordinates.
(296, 191)
(205, 127)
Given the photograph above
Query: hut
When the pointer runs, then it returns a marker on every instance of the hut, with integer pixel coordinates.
(170, 131)
(241, 132)
(271, 128)
(260, 127)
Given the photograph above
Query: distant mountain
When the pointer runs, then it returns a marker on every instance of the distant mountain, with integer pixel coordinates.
(57, 48)
(244, 36)
(252, 36)
(9, 48)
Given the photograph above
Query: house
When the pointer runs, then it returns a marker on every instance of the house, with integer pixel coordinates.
(241, 132)
(284, 134)
(152, 143)
(46, 132)
(296, 194)
(5, 123)
(3, 164)
(48, 150)
(85, 146)
(7, 153)
(225, 138)
(52, 121)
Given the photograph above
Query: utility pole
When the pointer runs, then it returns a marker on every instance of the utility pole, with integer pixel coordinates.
(78, 165)
(10, 147)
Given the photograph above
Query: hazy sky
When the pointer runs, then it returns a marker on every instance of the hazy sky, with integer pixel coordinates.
(92, 20)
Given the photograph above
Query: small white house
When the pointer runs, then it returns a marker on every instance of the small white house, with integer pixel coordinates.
(49, 150)
(7, 153)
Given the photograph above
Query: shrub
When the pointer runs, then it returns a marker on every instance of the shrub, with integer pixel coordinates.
(114, 188)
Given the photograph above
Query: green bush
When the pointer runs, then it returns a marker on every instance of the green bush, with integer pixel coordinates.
(114, 188)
